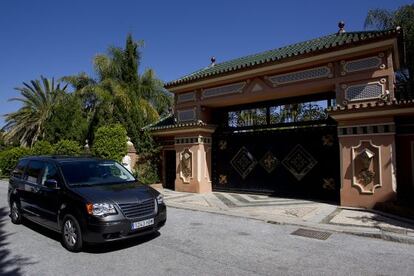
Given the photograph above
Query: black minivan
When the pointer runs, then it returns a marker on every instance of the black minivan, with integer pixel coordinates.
(85, 199)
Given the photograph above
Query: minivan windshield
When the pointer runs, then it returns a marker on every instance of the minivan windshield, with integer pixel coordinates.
(94, 172)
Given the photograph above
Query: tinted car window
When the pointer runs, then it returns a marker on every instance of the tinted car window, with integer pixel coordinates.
(19, 170)
(95, 172)
(50, 172)
(34, 171)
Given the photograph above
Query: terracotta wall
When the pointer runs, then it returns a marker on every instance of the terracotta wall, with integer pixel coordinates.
(353, 192)
(196, 155)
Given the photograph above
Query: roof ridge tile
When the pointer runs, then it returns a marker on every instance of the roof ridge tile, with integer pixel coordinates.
(277, 54)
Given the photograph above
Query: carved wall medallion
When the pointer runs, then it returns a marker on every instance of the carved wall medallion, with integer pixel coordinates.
(365, 176)
(186, 165)
(366, 170)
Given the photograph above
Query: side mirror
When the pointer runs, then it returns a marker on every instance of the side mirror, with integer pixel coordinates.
(51, 183)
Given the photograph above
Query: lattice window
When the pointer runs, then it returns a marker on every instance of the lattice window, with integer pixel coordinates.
(186, 97)
(314, 73)
(364, 91)
(224, 90)
(186, 115)
(362, 64)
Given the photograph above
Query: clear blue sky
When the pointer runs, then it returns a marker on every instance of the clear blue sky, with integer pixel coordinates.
(58, 38)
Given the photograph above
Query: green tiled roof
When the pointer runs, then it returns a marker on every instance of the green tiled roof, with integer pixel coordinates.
(322, 44)
(162, 122)
(169, 122)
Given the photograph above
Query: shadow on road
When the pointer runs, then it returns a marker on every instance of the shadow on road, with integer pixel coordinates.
(9, 264)
(93, 248)
(119, 245)
(41, 230)
(379, 220)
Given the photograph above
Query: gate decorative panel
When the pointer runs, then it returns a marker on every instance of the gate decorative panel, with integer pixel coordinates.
(297, 161)
(243, 162)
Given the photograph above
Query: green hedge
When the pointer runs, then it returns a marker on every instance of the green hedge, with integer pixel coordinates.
(67, 147)
(110, 142)
(42, 148)
(147, 172)
(10, 157)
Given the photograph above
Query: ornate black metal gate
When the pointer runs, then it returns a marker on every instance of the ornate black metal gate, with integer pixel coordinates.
(294, 160)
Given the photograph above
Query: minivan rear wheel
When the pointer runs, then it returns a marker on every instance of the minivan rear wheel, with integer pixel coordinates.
(15, 214)
(71, 234)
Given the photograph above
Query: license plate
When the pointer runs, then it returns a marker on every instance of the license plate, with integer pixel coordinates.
(142, 223)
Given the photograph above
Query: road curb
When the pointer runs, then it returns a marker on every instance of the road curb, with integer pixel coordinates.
(375, 233)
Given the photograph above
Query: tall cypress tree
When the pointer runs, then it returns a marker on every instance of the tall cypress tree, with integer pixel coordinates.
(131, 61)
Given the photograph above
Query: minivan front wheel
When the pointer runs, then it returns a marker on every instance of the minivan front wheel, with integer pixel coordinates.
(71, 234)
(15, 214)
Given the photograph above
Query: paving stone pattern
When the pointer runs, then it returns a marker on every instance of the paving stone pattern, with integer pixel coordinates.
(301, 212)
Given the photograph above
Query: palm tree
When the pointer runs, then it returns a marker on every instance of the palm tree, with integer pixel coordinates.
(26, 125)
(119, 94)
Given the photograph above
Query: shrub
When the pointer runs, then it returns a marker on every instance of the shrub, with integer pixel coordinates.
(149, 164)
(67, 121)
(42, 148)
(67, 147)
(110, 142)
(10, 157)
(147, 172)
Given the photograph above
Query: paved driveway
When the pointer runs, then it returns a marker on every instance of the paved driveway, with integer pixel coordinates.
(308, 213)
(200, 243)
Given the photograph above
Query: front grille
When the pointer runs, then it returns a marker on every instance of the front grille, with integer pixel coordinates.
(135, 209)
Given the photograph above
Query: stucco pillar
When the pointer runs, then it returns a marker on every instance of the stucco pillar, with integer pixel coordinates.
(193, 159)
(368, 163)
(132, 153)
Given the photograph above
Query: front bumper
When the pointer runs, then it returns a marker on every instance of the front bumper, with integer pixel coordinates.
(104, 231)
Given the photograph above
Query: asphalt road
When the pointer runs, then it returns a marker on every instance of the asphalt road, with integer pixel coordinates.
(197, 243)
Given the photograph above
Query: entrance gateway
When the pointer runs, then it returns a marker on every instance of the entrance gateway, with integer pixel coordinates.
(287, 148)
(317, 120)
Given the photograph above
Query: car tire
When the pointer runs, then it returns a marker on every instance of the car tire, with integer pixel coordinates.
(15, 214)
(71, 234)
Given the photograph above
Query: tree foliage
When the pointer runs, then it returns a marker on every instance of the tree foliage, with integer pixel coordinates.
(387, 19)
(67, 121)
(67, 147)
(27, 124)
(10, 157)
(3, 144)
(110, 142)
(120, 94)
(42, 148)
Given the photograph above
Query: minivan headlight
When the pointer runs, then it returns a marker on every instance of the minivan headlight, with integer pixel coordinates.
(160, 199)
(100, 209)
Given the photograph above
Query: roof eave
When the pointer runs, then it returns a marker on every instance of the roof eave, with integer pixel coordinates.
(299, 59)
(183, 129)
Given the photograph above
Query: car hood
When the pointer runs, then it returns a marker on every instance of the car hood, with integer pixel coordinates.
(115, 193)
